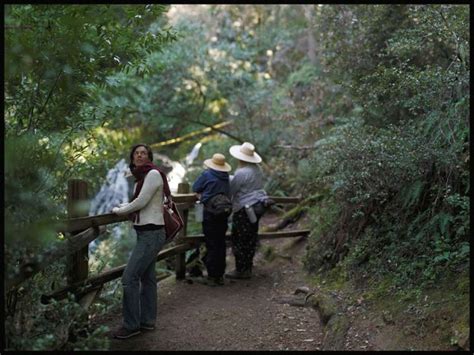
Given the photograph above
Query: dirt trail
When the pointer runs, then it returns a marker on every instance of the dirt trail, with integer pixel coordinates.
(241, 315)
(250, 314)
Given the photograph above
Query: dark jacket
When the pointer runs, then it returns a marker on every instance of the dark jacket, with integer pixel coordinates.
(212, 182)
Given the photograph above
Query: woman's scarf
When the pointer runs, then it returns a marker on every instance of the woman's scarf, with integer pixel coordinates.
(139, 172)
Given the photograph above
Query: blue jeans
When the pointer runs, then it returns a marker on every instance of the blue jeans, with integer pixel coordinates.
(139, 280)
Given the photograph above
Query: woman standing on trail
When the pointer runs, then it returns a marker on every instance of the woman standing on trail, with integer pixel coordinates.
(146, 211)
(213, 189)
(248, 200)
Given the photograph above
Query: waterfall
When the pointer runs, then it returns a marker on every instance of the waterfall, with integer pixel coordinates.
(193, 154)
(113, 192)
(174, 170)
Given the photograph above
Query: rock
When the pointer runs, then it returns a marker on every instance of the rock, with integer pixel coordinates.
(302, 289)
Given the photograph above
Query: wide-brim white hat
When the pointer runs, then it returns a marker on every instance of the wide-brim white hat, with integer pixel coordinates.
(245, 152)
(218, 163)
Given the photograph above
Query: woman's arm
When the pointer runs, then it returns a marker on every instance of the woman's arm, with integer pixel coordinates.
(199, 185)
(236, 182)
(151, 184)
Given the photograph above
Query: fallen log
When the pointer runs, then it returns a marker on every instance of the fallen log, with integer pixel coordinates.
(290, 217)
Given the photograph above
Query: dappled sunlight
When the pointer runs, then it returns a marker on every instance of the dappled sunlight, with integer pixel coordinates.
(217, 54)
(217, 106)
(196, 71)
(178, 12)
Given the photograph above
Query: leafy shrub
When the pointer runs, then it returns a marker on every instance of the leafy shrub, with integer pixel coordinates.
(392, 180)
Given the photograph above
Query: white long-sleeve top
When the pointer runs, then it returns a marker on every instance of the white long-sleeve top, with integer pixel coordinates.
(149, 201)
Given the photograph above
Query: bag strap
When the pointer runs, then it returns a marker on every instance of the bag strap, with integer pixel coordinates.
(166, 187)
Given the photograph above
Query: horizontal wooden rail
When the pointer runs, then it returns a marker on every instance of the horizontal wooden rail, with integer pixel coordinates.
(81, 223)
(182, 198)
(86, 286)
(198, 238)
(61, 249)
(183, 201)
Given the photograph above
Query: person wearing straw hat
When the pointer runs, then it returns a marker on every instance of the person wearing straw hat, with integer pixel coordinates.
(248, 202)
(212, 187)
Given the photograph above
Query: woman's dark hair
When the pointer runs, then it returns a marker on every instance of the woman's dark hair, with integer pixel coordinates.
(148, 149)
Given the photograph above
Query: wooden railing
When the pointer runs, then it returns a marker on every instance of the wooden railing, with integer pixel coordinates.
(81, 230)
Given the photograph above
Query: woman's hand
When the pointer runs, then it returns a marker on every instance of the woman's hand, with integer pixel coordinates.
(115, 209)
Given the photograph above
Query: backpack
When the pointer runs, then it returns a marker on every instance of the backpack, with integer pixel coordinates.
(219, 205)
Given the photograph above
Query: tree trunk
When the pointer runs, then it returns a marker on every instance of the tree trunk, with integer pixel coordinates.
(309, 14)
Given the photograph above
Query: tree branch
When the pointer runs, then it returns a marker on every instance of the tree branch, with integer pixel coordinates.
(295, 147)
(210, 126)
(50, 92)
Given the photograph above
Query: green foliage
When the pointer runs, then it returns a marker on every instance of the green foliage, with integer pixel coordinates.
(53, 52)
(54, 130)
(399, 169)
(27, 187)
(319, 251)
(392, 179)
(30, 325)
(391, 57)
(305, 75)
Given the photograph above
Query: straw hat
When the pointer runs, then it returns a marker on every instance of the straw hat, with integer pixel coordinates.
(218, 163)
(245, 152)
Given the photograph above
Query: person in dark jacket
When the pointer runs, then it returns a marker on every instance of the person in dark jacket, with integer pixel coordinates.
(212, 182)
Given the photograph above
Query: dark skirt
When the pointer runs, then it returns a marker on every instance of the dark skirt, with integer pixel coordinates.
(244, 239)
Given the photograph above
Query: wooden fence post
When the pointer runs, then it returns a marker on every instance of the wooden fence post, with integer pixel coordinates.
(77, 263)
(180, 267)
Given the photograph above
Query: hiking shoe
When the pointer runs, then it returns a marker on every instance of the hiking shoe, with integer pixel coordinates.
(147, 327)
(124, 333)
(239, 274)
